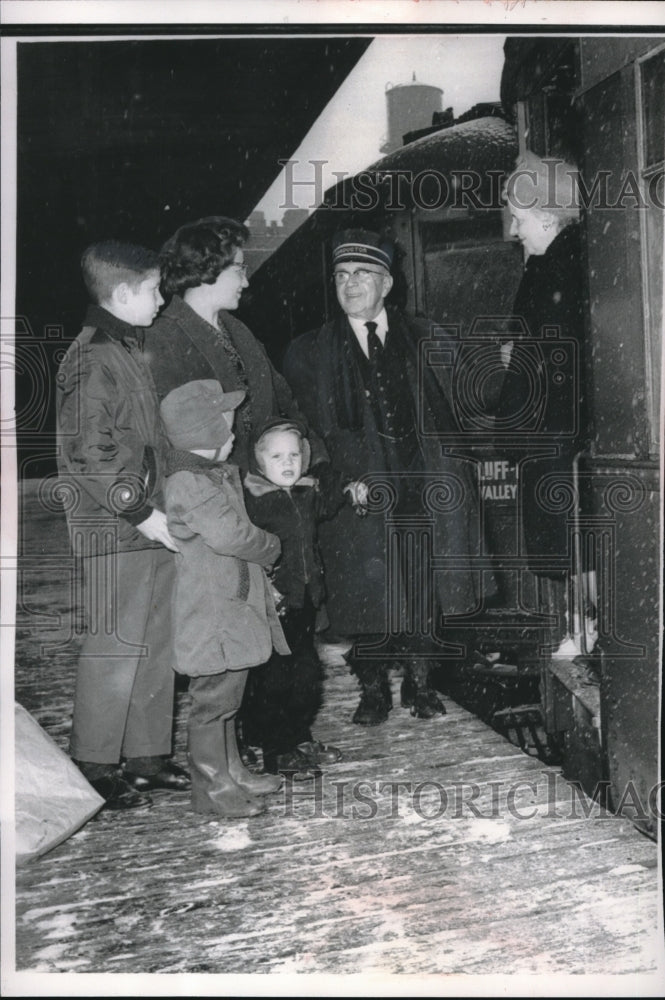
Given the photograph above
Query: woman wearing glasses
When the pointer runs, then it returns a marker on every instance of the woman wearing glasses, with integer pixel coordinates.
(196, 337)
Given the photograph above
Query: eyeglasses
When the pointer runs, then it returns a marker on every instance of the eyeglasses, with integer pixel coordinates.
(361, 274)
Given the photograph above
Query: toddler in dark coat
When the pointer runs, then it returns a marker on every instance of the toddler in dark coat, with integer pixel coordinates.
(283, 696)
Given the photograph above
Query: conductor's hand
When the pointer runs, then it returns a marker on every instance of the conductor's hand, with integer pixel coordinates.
(154, 528)
(358, 493)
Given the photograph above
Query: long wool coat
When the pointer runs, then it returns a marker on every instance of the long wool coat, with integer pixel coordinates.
(550, 295)
(361, 588)
(180, 347)
(224, 615)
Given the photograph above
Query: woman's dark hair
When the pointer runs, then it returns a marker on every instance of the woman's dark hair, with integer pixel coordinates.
(199, 251)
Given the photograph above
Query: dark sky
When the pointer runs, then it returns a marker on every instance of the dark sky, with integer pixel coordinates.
(130, 139)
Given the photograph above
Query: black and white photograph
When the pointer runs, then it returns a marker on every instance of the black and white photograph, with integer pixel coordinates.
(332, 386)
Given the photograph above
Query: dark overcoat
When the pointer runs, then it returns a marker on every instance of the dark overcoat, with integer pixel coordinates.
(359, 574)
(294, 515)
(181, 347)
(551, 302)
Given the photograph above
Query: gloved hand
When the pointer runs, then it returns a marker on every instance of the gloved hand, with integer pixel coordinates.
(358, 494)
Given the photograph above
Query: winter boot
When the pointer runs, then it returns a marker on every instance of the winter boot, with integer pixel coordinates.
(375, 695)
(213, 788)
(416, 692)
(256, 784)
(292, 762)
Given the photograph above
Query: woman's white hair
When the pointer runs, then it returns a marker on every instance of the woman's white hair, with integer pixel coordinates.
(548, 185)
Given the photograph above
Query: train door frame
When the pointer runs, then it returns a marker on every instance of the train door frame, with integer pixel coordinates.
(608, 114)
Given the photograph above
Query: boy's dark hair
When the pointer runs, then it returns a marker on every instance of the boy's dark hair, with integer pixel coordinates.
(107, 264)
(198, 252)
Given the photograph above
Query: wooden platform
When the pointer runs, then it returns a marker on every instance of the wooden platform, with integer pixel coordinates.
(435, 849)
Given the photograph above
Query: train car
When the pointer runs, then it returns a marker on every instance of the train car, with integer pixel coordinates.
(596, 102)
(439, 197)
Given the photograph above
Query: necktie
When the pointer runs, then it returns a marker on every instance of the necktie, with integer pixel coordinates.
(374, 345)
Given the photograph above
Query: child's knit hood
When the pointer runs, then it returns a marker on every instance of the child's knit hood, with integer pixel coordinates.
(255, 481)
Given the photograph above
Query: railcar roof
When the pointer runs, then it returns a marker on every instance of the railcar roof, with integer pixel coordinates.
(481, 144)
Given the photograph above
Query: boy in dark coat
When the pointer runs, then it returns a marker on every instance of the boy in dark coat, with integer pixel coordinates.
(283, 696)
(110, 446)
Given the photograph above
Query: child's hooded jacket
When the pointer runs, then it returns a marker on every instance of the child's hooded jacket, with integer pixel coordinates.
(224, 615)
(293, 514)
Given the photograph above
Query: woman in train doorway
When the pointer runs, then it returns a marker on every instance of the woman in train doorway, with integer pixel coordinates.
(196, 337)
(543, 403)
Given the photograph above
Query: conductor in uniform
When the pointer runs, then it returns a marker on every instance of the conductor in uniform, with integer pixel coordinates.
(382, 416)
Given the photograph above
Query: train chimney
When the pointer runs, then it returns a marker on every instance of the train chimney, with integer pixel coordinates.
(409, 106)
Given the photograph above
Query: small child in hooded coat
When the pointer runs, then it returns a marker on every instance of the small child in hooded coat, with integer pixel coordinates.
(283, 696)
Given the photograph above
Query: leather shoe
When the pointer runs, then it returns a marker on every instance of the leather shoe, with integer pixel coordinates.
(170, 776)
(118, 793)
(318, 753)
(174, 768)
(293, 762)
